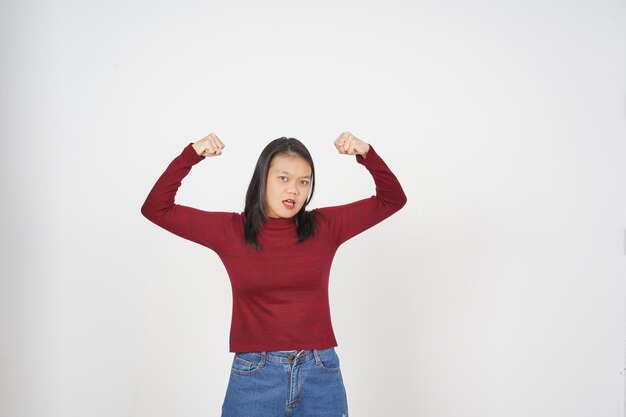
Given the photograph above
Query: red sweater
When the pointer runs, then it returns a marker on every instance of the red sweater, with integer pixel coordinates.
(280, 294)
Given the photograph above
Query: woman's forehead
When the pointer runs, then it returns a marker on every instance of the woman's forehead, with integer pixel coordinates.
(292, 164)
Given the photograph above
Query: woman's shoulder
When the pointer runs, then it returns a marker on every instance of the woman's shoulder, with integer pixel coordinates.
(233, 222)
(227, 217)
(323, 214)
(328, 212)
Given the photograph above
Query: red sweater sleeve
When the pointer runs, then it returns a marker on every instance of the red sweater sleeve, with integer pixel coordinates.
(348, 220)
(203, 227)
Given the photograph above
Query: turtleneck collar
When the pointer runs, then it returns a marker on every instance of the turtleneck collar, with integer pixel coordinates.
(279, 222)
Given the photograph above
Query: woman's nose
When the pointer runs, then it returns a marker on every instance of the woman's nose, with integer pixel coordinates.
(292, 189)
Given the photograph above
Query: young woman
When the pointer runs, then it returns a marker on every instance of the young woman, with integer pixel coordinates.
(278, 257)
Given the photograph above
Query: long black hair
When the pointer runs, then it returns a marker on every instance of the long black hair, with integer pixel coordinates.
(255, 210)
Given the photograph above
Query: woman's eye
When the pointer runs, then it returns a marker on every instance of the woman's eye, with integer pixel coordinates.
(304, 182)
(282, 177)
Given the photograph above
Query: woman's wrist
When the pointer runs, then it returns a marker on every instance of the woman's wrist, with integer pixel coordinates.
(364, 153)
(197, 148)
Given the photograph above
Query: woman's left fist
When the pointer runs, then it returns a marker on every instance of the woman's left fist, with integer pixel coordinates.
(348, 144)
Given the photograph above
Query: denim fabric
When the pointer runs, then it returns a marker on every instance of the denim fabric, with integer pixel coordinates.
(270, 384)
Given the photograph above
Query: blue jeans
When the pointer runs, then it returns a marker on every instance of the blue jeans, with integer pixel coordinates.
(305, 383)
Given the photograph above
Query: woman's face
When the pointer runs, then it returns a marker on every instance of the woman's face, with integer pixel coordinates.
(287, 186)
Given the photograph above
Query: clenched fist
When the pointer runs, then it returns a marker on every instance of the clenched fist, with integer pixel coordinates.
(209, 145)
(348, 144)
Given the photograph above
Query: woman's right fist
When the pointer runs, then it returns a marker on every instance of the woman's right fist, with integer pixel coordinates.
(209, 145)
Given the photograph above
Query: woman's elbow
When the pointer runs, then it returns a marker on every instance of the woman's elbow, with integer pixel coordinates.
(146, 211)
(402, 201)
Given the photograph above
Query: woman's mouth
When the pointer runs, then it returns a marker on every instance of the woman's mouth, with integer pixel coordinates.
(290, 204)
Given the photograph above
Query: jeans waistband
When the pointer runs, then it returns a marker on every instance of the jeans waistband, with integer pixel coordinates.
(294, 356)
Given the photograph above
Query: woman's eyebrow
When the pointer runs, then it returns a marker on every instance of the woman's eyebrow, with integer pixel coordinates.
(281, 171)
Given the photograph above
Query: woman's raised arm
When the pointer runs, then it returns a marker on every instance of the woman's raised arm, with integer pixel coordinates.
(347, 220)
(204, 227)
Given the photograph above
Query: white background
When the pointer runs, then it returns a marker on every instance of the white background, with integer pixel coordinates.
(498, 290)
